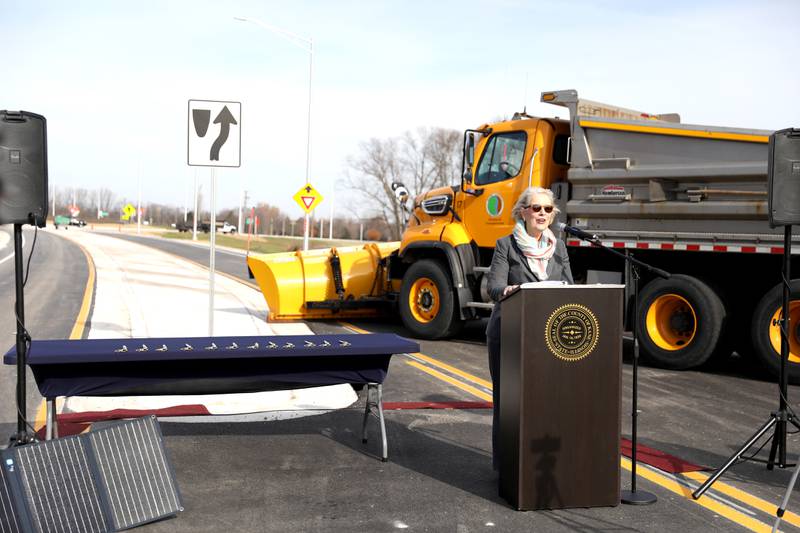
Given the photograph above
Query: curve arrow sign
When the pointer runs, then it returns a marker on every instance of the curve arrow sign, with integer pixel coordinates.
(224, 119)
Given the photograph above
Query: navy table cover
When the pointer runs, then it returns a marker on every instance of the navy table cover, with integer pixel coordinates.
(208, 365)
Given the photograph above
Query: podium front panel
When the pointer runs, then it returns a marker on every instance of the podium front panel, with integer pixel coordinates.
(560, 397)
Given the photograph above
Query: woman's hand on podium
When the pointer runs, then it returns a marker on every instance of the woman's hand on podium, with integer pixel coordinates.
(509, 289)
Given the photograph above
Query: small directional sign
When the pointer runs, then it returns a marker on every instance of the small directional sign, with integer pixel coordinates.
(308, 198)
(214, 134)
(128, 211)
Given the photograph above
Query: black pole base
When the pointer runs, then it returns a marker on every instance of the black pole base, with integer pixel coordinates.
(638, 497)
(20, 440)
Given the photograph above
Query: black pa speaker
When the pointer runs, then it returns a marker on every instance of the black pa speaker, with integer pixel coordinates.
(23, 168)
(783, 167)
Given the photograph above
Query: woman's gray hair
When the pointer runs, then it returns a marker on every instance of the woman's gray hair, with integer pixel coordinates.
(524, 201)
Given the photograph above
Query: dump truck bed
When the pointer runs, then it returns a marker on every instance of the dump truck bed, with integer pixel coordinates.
(647, 174)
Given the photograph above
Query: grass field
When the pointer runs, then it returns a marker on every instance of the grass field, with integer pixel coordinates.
(265, 245)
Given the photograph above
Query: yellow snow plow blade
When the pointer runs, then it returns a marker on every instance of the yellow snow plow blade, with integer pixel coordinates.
(303, 285)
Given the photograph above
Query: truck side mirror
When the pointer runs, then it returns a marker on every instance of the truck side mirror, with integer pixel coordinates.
(470, 150)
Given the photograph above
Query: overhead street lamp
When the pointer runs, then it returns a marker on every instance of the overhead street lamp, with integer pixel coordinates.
(308, 46)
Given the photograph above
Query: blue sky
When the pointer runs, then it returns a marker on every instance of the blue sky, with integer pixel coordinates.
(113, 77)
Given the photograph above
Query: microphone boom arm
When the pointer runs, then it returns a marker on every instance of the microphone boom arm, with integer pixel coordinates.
(595, 240)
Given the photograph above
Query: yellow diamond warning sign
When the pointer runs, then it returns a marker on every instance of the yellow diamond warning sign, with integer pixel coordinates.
(307, 198)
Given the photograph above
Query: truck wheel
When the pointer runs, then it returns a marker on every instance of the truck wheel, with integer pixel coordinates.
(428, 302)
(766, 333)
(680, 322)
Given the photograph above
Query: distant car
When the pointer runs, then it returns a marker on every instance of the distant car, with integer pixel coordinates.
(77, 222)
(222, 227)
(60, 220)
(227, 228)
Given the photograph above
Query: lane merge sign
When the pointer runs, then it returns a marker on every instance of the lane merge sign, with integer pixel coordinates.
(308, 198)
(214, 134)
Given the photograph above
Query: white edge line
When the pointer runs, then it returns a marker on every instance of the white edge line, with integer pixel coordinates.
(9, 256)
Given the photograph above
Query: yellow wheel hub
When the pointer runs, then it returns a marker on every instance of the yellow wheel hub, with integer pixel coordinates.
(671, 322)
(794, 340)
(423, 300)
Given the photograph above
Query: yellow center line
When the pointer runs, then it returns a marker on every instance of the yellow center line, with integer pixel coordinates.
(83, 313)
(712, 504)
(454, 370)
(77, 328)
(431, 360)
(353, 328)
(753, 501)
(451, 381)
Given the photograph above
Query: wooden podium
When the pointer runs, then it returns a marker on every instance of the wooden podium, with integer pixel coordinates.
(560, 396)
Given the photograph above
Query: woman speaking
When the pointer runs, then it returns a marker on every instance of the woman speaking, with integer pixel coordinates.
(531, 253)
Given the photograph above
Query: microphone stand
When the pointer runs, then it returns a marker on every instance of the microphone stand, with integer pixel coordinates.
(633, 496)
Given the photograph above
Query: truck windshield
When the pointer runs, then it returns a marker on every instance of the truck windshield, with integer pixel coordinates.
(502, 158)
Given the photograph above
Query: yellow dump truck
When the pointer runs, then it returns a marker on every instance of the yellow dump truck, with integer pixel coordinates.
(689, 199)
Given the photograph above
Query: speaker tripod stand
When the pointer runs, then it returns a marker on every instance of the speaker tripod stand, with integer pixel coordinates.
(783, 417)
(22, 436)
(785, 502)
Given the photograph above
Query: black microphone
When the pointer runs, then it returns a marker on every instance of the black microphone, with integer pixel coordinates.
(577, 232)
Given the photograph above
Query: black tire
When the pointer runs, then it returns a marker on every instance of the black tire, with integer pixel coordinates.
(433, 313)
(766, 336)
(680, 322)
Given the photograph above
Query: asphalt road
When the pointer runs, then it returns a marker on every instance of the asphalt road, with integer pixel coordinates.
(701, 415)
(313, 474)
(53, 296)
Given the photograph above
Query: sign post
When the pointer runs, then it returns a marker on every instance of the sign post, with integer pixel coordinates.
(213, 142)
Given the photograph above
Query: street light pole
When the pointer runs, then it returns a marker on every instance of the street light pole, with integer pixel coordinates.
(308, 46)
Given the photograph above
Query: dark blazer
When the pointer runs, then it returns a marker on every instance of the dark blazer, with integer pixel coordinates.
(510, 267)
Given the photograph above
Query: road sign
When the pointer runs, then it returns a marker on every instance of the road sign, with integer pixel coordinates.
(214, 133)
(128, 211)
(307, 198)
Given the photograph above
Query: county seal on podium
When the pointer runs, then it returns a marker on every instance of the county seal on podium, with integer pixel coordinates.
(572, 332)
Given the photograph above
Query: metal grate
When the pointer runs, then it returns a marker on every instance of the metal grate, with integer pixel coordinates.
(9, 517)
(135, 472)
(58, 487)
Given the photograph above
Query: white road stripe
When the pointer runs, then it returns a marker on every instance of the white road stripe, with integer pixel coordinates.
(9, 256)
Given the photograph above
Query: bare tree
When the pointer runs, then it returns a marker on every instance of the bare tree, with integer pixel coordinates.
(431, 158)
(107, 198)
(422, 160)
(377, 167)
(269, 217)
(444, 148)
